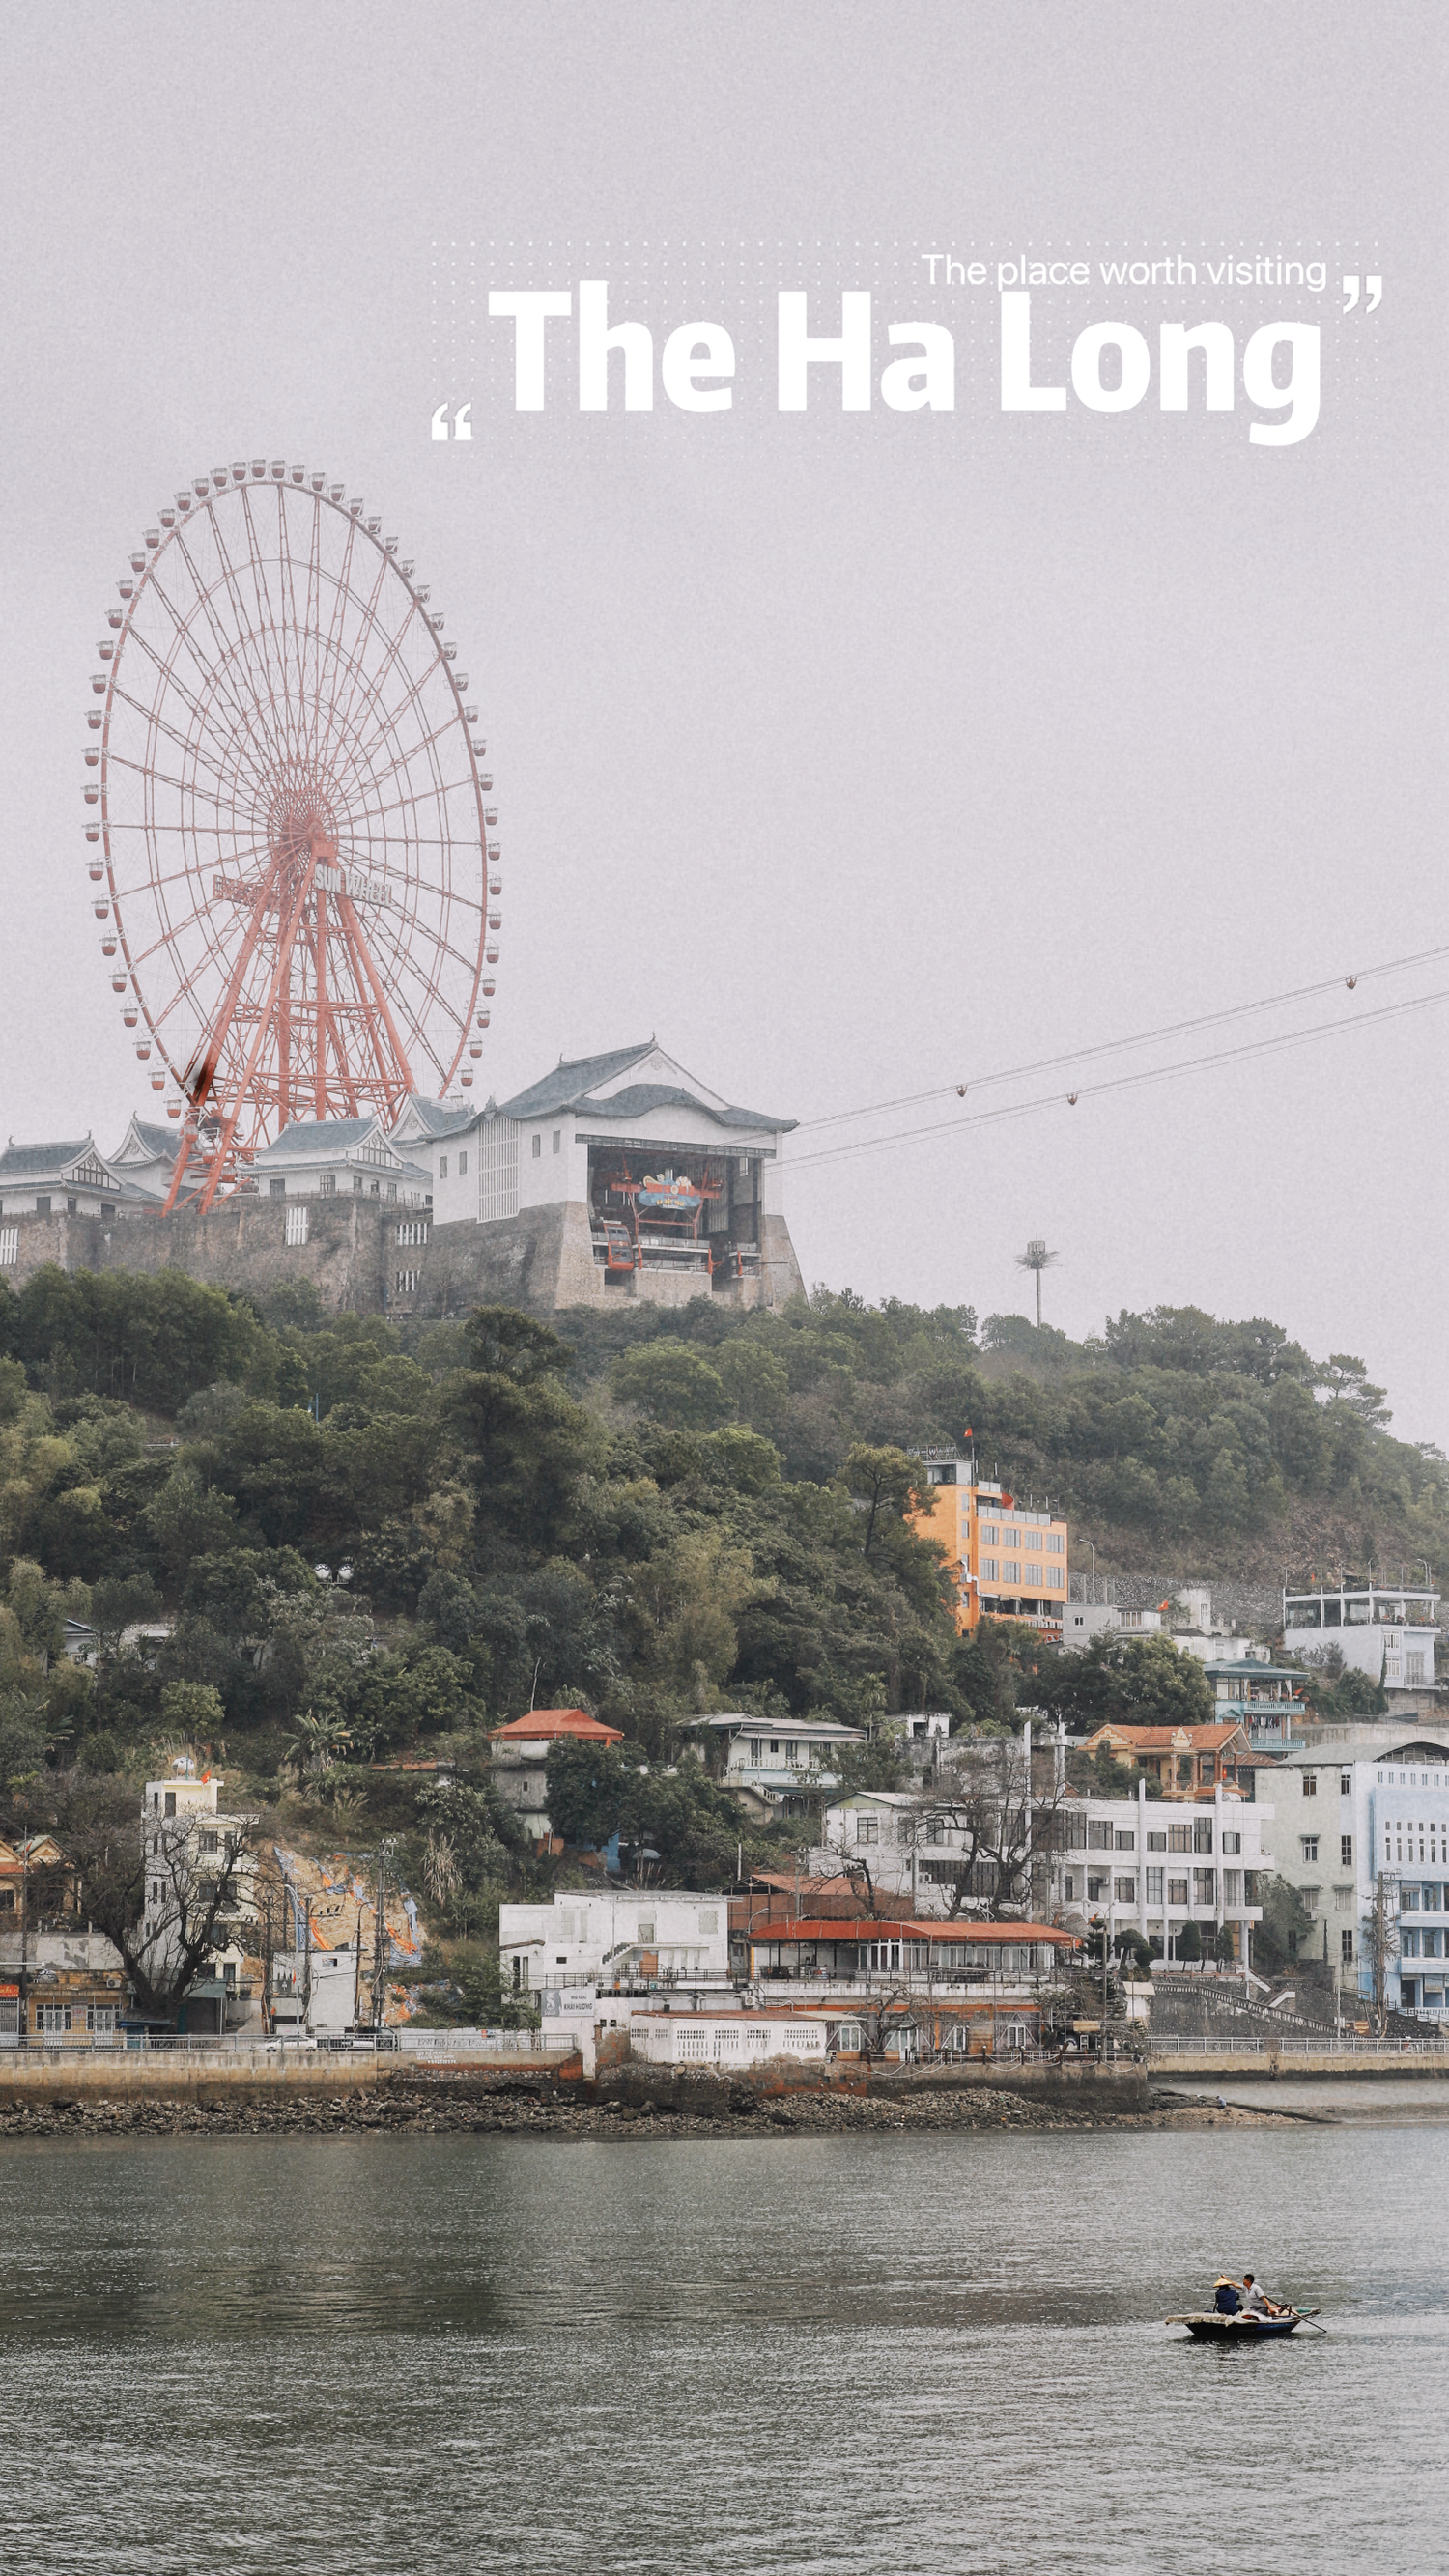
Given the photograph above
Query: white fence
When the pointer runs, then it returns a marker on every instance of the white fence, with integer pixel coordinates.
(670, 2040)
(1331, 2044)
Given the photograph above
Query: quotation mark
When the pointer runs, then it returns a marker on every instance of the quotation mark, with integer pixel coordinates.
(1375, 293)
(462, 422)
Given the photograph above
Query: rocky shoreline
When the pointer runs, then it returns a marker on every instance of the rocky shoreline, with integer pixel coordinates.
(534, 2111)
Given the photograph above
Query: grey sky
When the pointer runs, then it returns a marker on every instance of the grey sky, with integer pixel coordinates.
(851, 754)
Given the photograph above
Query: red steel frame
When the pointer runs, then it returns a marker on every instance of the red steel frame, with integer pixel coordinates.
(295, 838)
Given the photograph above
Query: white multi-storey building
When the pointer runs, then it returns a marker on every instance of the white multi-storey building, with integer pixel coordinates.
(1152, 1865)
(1362, 1833)
(1386, 1630)
(623, 1937)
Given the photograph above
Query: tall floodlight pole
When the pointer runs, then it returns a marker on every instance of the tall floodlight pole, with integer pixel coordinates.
(1037, 1258)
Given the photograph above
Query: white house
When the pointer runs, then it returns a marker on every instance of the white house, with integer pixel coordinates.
(146, 1158)
(664, 1189)
(778, 1758)
(619, 1938)
(69, 1179)
(1386, 1630)
(1363, 1835)
(188, 1839)
(337, 1158)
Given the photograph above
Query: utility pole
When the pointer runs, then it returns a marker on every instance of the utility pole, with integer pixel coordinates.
(24, 2012)
(379, 1936)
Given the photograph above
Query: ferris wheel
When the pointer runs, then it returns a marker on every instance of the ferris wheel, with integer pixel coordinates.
(292, 858)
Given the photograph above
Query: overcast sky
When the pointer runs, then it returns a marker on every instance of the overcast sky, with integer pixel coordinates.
(853, 755)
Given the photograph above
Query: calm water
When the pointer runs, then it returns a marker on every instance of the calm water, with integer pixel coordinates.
(940, 2354)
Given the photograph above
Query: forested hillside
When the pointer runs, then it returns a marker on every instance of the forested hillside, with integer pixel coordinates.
(351, 1542)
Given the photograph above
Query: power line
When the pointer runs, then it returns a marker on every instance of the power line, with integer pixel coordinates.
(1119, 1046)
(1118, 1082)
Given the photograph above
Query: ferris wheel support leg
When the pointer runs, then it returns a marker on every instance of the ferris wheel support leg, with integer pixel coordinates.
(387, 1072)
(363, 953)
(264, 1022)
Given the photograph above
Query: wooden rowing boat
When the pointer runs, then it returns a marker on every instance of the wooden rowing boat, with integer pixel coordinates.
(1213, 2327)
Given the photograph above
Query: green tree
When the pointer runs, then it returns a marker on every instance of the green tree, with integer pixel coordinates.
(1189, 1944)
(1141, 1681)
(885, 1480)
(672, 1383)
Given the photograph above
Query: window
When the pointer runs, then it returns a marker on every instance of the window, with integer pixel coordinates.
(1310, 1784)
(1177, 1891)
(442, 1167)
(1345, 1784)
(276, 1189)
(1343, 1900)
(1157, 1842)
(101, 2020)
(42, 1207)
(327, 1186)
(1345, 1948)
(1310, 1897)
(413, 1230)
(1232, 1887)
(990, 1570)
(1179, 1838)
(391, 1191)
(1055, 1543)
(211, 1842)
(867, 1829)
(1125, 1890)
(9, 1246)
(537, 1145)
(1154, 1887)
(406, 1283)
(1099, 1837)
(70, 1207)
(498, 1173)
(1202, 1834)
(1308, 1845)
(1069, 1889)
(1414, 1668)
(1232, 1842)
(296, 1224)
(1096, 1890)
(52, 2019)
(1011, 1570)
(557, 1139)
(1203, 1888)
(991, 1537)
(1345, 1851)
(1123, 1842)
(1033, 1540)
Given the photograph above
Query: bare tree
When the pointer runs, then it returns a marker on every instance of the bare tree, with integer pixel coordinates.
(167, 1891)
(978, 1826)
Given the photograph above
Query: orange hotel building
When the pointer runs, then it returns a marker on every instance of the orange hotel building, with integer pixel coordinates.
(1008, 1562)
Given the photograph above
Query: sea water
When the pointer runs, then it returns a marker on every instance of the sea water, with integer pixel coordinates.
(926, 2353)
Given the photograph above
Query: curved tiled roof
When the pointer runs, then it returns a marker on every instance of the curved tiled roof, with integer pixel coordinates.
(541, 1723)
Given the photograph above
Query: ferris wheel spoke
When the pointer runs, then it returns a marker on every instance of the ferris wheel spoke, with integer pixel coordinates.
(262, 705)
(217, 677)
(343, 728)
